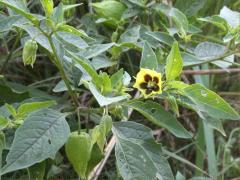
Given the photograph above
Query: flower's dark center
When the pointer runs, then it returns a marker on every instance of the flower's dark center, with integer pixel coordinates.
(150, 84)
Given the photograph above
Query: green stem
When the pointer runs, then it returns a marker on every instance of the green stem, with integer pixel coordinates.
(215, 58)
(200, 148)
(11, 52)
(56, 60)
(211, 156)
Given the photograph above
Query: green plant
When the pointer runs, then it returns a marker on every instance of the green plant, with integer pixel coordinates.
(113, 57)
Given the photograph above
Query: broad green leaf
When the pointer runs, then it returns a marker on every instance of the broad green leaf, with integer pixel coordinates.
(95, 158)
(105, 100)
(116, 78)
(109, 9)
(213, 123)
(95, 50)
(71, 6)
(190, 7)
(178, 17)
(130, 35)
(61, 87)
(200, 178)
(41, 135)
(173, 104)
(3, 122)
(8, 95)
(209, 102)
(26, 108)
(13, 4)
(6, 23)
(176, 85)
(174, 63)
(72, 30)
(100, 131)
(78, 149)
(106, 86)
(11, 109)
(87, 67)
(100, 62)
(155, 113)
(58, 14)
(145, 37)
(37, 171)
(180, 20)
(36, 34)
(138, 155)
(70, 41)
(140, 3)
(179, 176)
(208, 50)
(232, 17)
(162, 37)
(47, 6)
(216, 21)
(149, 59)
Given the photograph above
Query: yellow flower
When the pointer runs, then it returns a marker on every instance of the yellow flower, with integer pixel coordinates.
(148, 82)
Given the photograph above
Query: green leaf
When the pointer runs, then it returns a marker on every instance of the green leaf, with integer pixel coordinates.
(8, 95)
(6, 23)
(47, 6)
(232, 17)
(174, 63)
(190, 7)
(95, 50)
(95, 158)
(42, 134)
(130, 35)
(13, 4)
(36, 34)
(58, 14)
(162, 37)
(78, 150)
(100, 132)
(87, 67)
(149, 59)
(209, 102)
(155, 113)
(208, 50)
(137, 151)
(72, 30)
(109, 9)
(179, 176)
(173, 104)
(216, 21)
(103, 100)
(26, 108)
(37, 171)
(178, 17)
(140, 3)
(3, 123)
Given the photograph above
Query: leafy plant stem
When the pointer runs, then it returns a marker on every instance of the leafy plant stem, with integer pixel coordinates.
(11, 52)
(61, 70)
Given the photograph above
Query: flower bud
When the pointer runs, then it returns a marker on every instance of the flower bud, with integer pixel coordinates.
(29, 52)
